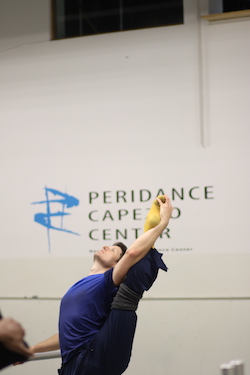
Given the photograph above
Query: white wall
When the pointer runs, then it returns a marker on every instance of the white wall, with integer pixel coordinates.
(122, 112)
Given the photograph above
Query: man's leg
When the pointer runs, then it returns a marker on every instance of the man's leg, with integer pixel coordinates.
(112, 345)
(117, 334)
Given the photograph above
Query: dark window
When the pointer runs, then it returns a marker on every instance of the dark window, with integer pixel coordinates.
(78, 17)
(232, 5)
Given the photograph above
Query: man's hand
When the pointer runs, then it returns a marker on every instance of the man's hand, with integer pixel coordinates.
(165, 209)
(11, 336)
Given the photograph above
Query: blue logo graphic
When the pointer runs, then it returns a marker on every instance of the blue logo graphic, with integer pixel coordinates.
(45, 219)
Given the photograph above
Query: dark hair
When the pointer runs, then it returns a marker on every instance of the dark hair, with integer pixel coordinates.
(122, 247)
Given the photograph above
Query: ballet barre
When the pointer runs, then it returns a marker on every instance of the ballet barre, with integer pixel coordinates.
(46, 355)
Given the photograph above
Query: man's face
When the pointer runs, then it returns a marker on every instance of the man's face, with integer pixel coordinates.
(109, 255)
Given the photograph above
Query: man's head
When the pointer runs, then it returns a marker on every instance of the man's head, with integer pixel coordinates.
(122, 247)
(108, 256)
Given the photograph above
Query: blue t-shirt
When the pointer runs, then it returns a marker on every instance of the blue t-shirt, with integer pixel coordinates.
(83, 311)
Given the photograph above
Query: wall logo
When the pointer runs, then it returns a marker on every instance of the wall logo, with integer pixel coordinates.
(115, 206)
(47, 219)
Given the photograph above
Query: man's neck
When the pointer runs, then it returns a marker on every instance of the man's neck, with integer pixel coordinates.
(98, 268)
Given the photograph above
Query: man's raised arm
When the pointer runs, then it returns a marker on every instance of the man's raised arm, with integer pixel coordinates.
(143, 244)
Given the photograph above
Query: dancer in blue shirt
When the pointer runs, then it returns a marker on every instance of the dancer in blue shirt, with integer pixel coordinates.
(97, 319)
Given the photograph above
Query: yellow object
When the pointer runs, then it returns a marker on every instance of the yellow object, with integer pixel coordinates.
(153, 217)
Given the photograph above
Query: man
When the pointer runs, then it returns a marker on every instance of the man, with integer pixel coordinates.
(96, 334)
(12, 346)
